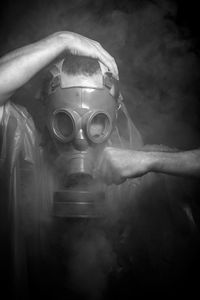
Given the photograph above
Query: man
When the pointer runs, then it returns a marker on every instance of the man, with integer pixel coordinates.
(28, 186)
(21, 205)
(27, 176)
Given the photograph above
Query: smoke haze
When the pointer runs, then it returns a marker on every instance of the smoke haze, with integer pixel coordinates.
(158, 60)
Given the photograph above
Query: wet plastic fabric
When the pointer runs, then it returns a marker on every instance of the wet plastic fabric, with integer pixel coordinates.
(23, 167)
(24, 137)
(29, 203)
(22, 199)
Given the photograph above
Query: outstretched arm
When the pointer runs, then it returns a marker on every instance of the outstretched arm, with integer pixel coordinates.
(184, 163)
(116, 165)
(19, 66)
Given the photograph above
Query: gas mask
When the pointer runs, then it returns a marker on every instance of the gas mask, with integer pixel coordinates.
(82, 114)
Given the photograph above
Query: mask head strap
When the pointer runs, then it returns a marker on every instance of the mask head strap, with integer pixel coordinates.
(58, 80)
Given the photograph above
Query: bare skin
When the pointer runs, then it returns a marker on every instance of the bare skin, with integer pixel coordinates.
(116, 165)
(19, 66)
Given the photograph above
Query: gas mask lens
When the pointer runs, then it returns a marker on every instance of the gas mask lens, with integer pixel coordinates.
(99, 127)
(63, 126)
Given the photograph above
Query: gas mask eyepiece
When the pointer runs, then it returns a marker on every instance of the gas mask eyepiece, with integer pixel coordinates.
(64, 124)
(97, 125)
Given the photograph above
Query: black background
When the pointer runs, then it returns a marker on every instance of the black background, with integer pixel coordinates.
(157, 47)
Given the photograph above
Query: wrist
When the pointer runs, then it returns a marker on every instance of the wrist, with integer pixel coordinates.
(153, 161)
(142, 162)
(66, 38)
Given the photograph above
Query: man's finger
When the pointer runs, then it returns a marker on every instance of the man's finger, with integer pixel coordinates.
(107, 60)
(92, 48)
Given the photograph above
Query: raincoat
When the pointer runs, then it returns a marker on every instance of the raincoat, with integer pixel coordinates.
(145, 222)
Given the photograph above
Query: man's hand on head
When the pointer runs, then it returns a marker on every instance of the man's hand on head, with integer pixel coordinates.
(20, 65)
(80, 45)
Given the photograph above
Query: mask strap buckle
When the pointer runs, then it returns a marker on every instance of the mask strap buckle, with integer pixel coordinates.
(112, 84)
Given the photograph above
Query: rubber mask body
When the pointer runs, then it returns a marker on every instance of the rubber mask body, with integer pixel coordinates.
(80, 121)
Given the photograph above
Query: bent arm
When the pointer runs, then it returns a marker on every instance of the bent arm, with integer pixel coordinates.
(19, 66)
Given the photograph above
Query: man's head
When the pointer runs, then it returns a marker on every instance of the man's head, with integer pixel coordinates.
(82, 105)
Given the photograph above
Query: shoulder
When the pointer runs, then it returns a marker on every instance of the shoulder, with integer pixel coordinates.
(18, 134)
(12, 110)
(15, 119)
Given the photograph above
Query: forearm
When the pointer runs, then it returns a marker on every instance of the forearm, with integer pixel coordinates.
(19, 66)
(116, 164)
(186, 163)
